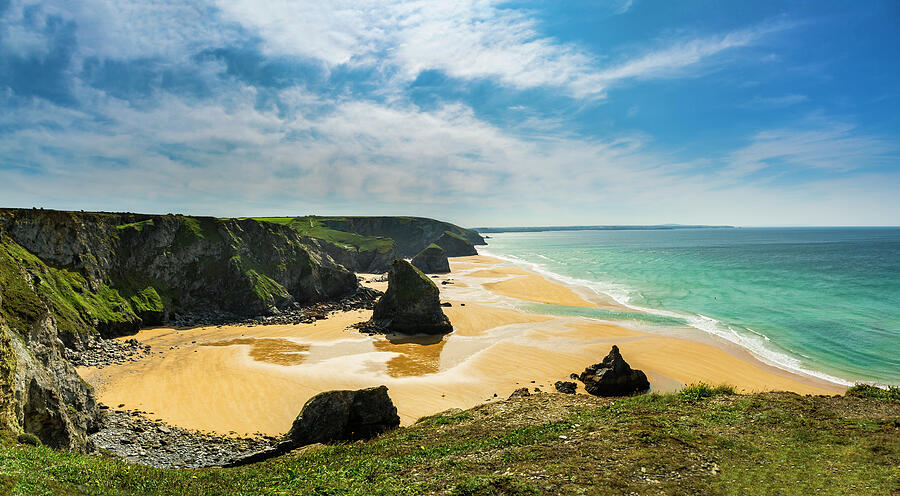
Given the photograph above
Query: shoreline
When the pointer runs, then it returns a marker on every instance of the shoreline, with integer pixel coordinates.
(695, 332)
(255, 378)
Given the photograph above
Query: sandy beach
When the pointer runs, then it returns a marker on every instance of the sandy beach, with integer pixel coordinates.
(255, 379)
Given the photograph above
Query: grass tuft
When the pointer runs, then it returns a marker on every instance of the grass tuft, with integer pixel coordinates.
(697, 392)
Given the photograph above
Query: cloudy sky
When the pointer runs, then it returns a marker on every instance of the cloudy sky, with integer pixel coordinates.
(475, 111)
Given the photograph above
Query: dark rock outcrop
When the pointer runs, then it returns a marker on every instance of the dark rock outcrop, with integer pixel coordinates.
(343, 415)
(48, 397)
(455, 245)
(566, 387)
(614, 377)
(411, 304)
(432, 260)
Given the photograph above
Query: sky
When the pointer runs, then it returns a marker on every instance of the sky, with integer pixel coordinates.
(479, 112)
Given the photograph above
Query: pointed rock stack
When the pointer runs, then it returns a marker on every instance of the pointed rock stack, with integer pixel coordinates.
(411, 304)
(613, 377)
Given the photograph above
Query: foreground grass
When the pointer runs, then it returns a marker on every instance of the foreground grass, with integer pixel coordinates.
(703, 441)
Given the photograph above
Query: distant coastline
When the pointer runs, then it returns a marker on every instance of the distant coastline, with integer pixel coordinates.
(488, 230)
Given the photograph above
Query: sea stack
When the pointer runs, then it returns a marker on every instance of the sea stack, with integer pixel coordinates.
(614, 377)
(432, 260)
(411, 304)
(455, 245)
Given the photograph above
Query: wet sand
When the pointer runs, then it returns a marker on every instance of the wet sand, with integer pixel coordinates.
(249, 379)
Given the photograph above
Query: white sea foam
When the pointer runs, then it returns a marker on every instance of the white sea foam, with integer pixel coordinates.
(758, 344)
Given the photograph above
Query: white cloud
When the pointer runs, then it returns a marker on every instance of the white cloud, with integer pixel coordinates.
(117, 29)
(230, 158)
(467, 39)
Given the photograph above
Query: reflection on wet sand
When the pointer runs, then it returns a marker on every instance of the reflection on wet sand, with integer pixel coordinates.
(270, 350)
(420, 355)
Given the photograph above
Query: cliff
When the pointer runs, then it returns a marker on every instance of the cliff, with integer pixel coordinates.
(65, 275)
(370, 244)
(410, 234)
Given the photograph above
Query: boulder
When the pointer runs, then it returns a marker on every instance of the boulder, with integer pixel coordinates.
(344, 416)
(411, 304)
(432, 260)
(333, 416)
(455, 245)
(566, 387)
(614, 377)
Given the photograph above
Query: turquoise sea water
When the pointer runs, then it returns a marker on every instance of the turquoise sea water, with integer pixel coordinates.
(821, 300)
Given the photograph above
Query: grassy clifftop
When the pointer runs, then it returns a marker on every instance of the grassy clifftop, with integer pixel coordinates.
(700, 441)
(409, 235)
(315, 227)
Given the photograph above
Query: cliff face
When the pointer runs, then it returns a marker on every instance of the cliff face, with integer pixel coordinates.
(118, 272)
(64, 275)
(410, 234)
(356, 258)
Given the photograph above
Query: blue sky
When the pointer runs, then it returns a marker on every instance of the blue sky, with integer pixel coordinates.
(475, 111)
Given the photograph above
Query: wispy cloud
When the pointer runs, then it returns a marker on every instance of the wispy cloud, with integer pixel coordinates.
(466, 39)
(829, 146)
(624, 6)
(676, 58)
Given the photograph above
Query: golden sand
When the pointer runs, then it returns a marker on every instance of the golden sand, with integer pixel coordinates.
(251, 379)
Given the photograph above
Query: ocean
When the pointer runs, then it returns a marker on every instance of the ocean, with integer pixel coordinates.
(821, 301)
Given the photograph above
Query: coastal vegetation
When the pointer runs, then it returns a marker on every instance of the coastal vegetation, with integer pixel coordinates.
(703, 440)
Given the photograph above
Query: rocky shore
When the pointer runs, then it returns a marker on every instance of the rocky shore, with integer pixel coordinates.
(132, 436)
(99, 352)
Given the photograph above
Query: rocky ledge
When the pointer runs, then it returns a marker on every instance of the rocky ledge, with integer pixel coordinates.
(132, 436)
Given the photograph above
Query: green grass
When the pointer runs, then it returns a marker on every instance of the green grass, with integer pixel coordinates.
(139, 226)
(314, 228)
(456, 235)
(889, 393)
(696, 392)
(266, 289)
(776, 443)
(194, 229)
(65, 293)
